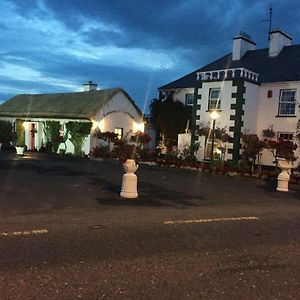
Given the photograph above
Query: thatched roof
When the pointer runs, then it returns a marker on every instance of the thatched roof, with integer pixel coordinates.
(81, 105)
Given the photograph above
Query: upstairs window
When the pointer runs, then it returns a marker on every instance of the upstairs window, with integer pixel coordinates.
(214, 101)
(189, 99)
(287, 102)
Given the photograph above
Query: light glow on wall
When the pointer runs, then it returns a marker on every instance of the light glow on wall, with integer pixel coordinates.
(138, 127)
(26, 125)
(98, 125)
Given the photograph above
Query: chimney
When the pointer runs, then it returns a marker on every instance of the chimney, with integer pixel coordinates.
(241, 44)
(89, 86)
(278, 40)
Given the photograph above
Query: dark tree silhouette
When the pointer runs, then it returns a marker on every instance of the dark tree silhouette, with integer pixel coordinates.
(170, 118)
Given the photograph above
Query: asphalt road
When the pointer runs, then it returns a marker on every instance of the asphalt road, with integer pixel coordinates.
(66, 234)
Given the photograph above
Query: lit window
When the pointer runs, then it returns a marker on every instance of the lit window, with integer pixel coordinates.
(286, 136)
(287, 102)
(214, 101)
(189, 99)
(119, 131)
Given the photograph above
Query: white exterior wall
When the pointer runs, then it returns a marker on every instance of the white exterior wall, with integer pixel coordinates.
(226, 100)
(268, 110)
(118, 113)
(250, 108)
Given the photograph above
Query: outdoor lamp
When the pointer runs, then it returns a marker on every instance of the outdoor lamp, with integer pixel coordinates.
(214, 115)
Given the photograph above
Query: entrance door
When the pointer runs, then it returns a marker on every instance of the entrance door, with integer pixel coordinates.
(32, 136)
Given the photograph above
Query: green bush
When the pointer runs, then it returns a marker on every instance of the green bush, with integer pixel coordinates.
(6, 133)
(78, 131)
(20, 131)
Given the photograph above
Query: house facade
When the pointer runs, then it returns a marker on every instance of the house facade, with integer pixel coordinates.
(250, 90)
(108, 109)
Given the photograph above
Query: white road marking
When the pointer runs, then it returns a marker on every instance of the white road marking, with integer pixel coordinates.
(211, 220)
(27, 232)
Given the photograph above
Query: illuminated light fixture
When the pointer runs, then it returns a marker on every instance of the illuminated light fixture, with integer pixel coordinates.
(98, 125)
(138, 127)
(26, 125)
(214, 115)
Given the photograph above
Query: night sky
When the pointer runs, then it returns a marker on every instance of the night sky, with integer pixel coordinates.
(51, 46)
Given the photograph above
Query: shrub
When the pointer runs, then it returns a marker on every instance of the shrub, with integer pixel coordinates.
(78, 132)
(6, 133)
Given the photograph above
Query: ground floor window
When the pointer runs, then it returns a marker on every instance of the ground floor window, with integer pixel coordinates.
(286, 136)
(119, 132)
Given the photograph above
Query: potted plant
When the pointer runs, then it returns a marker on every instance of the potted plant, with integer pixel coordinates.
(283, 152)
(20, 133)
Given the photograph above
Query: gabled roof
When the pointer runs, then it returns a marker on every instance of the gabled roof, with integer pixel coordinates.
(284, 67)
(81, 105)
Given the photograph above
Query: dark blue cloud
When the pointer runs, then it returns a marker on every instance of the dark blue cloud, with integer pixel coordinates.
(54, 45)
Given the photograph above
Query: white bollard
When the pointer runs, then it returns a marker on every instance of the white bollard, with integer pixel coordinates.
(284, 177)
(129, 180)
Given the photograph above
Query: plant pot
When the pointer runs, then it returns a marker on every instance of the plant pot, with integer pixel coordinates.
(20, 150)
(130, 166)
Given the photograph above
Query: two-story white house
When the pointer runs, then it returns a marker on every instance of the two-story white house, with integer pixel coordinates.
(251, 90)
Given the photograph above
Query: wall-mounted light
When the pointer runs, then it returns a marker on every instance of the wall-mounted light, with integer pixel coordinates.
(26, 125)
(98, 125)
(138, 127)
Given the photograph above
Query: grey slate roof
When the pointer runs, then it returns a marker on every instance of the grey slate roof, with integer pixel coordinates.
(81, 105)
(284, 67)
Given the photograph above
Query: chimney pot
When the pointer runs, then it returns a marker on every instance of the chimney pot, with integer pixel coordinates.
(89, 86)
(278, 40)
(241, 44)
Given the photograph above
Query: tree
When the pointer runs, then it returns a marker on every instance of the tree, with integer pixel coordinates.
(252, 148)
(169, 117)
(52, 135)
(282, 149)
(78, 131)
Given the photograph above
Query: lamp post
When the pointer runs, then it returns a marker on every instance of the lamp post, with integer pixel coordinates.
(214, 115)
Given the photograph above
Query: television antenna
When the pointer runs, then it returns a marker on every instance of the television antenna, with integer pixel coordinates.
(269, 20)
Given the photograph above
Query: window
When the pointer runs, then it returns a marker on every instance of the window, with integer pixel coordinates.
(119, 131)
(214, 101)
(189, 99)
(286, 136)
(287, 102)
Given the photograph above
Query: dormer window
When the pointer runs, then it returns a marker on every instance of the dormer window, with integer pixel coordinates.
(287, 103)
(214, 100)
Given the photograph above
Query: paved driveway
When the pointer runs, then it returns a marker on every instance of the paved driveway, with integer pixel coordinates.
(66, 233)
(38, 182)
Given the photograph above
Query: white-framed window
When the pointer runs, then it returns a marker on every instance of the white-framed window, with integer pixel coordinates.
(214, 100)
(119, 131)
(286, 136)
(189, 99)
(287, 103)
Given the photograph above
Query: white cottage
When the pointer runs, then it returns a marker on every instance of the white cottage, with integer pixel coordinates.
(252, 90)
(108, 109)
